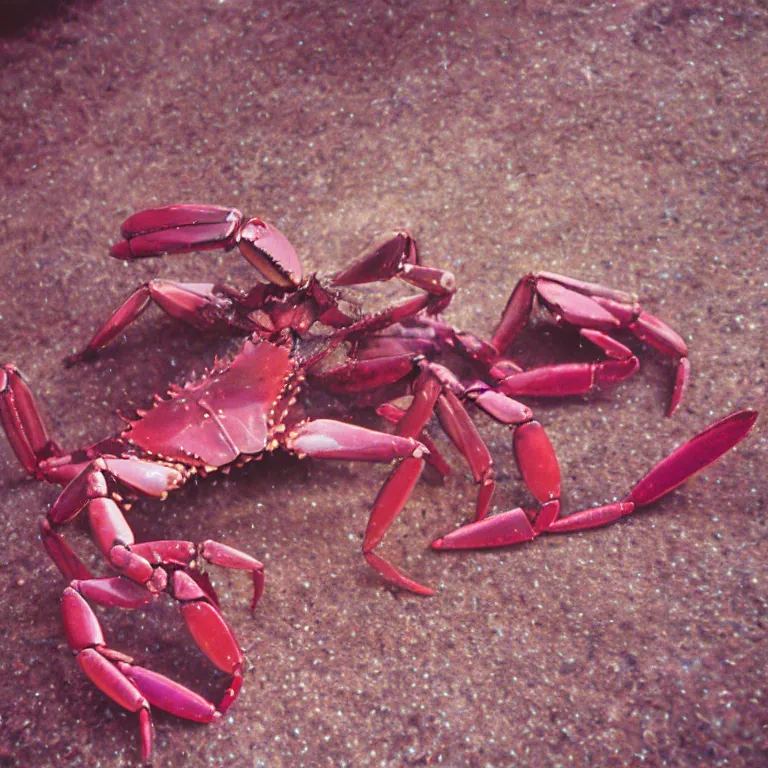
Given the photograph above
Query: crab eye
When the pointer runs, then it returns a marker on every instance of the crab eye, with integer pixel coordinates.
(267, 249)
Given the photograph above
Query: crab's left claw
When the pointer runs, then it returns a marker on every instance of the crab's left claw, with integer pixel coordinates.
(268, 249)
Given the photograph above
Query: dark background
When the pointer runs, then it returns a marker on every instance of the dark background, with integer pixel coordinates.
(618, 142)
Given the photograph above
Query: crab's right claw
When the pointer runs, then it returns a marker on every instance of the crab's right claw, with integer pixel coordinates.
(178, 228)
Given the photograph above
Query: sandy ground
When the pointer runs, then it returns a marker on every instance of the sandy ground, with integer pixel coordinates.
(619, 142)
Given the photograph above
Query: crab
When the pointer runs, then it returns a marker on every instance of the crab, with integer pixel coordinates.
(308, 333)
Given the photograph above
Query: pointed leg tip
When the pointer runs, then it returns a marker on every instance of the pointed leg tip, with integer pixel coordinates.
(438, 544)
(146, 729)
(682, 378)
(738, 423)
(751, 415)
(79, 357)
(392, 575)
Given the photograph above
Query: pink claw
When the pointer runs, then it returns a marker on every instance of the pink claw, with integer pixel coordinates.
(177, 229)
(267, 249)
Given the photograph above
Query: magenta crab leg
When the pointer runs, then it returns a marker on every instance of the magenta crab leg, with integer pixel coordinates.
(20, 419)
(515, 526)
(595, 310)
(383, 258)
(86, 640)
(462, 431)
(328, 439)
(567, 378)
(113, 535)
(394, 254)
(363, 375)
(169, 695)
(537, 461)
(192, 303)
(608, 344)
(391, 499)
(394, 414)
(515, 314)
(692, 456)
(133, 687)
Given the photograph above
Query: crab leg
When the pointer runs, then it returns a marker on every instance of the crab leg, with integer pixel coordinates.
(684, 462)
(393, 414)
(459, 426)
(114, 673)
(382, 259)
(373, 347)
(194, 303)
(152, 567)
(64, 558)
(396, 491)
(520, 525)
(516, 313)
(434, 388)
(363, 375)
(539, 467)
(186, 553)
(612, 348)
(113, 535)
(567, 378)
(211, 632)
(146, 563)
(21, 421)
(329, 439)
(659, 335)
(595, 310)
(394, 254)
(695, 454)
(403, 310)
(207, 626)
(93, 657)
(391, 499)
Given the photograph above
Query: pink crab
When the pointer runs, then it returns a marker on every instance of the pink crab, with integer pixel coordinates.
(306, 332)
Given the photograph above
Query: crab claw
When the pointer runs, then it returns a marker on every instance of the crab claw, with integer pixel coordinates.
(177, 228)
(268, 249)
